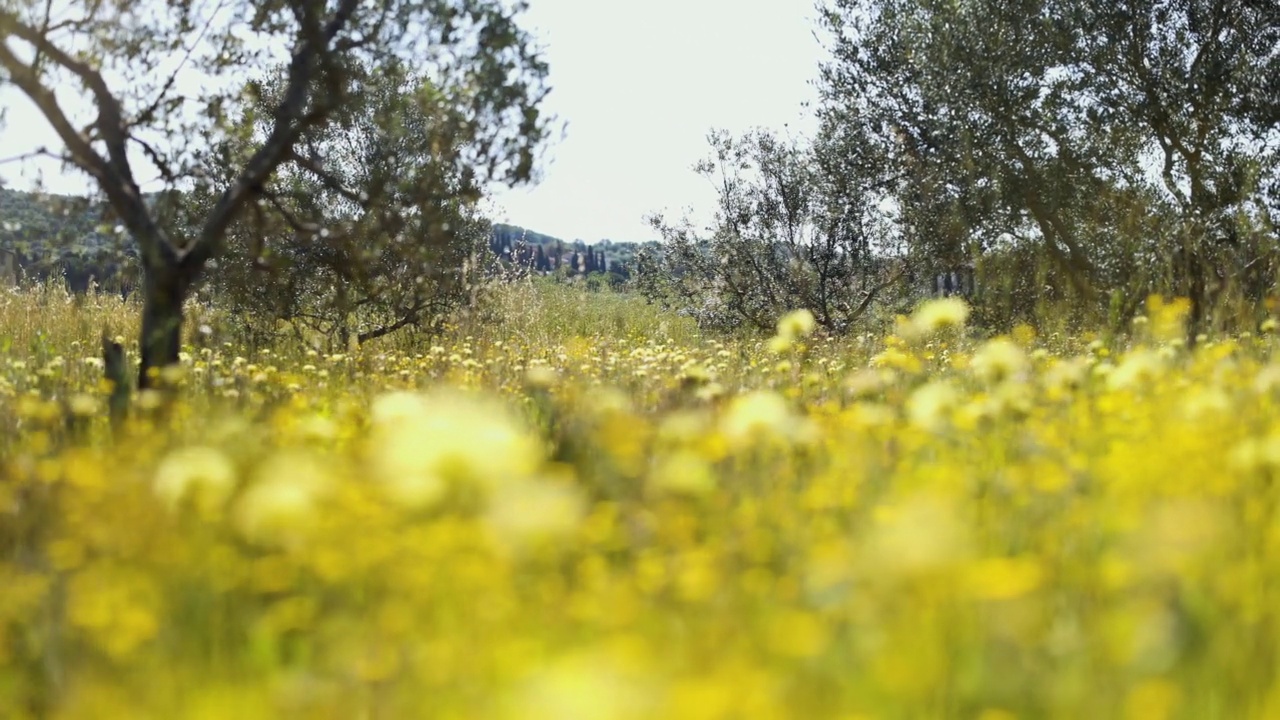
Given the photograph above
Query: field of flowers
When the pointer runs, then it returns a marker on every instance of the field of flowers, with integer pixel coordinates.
(572, 517)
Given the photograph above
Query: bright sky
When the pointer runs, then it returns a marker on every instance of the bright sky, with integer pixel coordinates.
(638, 86)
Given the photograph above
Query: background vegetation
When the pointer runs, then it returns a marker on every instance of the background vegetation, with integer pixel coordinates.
(964, 407)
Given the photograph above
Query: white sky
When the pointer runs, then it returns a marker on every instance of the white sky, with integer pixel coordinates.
(637, 84)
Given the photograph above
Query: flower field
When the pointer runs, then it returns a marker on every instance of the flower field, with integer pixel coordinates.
(577, 518)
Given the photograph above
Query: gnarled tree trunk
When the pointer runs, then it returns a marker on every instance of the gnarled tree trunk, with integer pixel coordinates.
(164, 291)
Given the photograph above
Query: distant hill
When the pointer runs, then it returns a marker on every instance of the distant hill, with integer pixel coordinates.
(548, 254)
(45, 235)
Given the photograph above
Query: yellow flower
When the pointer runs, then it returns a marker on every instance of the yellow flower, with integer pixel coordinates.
(204, 474)
(755, 415)
(83, 405)
(797, 634)
(796, 324)
(1139, 366)
(394, 407)
(935, 316)
(682, 427)
(999, 359)
(280, 506)
(893, 358)
(527, 511)
(1168, 319)
(1066, 375)
(922, 534)
(115, 607)
(779, 344)
(540, 377)
(421, 445)
(591, 685)
(682, 472)
(929, 407)
(869, 383)
(1004, 578)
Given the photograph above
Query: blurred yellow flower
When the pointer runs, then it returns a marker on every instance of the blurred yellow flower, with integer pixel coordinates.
(938, 315)
(930, 405)
(757, 415)
(203, 474)
(921, 534)
(527, 511)
(999, 359)
(779, 344)
(420, 445)
(797, 634)
(1137, 367)
(796, 324)
(115, 607)
(590, 685)
(1004, 578)
(279, 507)
(682, 472)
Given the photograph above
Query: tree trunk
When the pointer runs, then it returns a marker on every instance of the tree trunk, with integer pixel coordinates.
(116, 371)
(164, 292)
(1197, 294)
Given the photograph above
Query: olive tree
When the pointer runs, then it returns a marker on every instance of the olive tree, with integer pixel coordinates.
(1128, 145)
(135, 89)
(795, 227)
(382, 241)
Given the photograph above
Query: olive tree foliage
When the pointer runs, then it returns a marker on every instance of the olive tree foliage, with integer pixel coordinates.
(1122, 147)
(152, 91)
(791, 230)
(389, 235)
(1199, 80)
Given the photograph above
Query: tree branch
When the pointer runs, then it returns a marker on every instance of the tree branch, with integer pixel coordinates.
(293, 221)
(313, 166)
(410, 317)
(24, 77)
(289, 125)
(110, 121)
(113, 173)
(38, 152)
(149, 113)
(165, 171)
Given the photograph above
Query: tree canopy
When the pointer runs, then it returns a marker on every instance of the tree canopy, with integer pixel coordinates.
(1133, 145)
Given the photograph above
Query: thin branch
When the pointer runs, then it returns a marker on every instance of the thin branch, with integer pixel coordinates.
(110, 121)
(91, 11)
(27, 81)
(411, 317)
(297, 225)
(77, 23)
(289, 125)
(38, 152)
(113, 173)
(44, 30)
(313, 166)
(871, 293)
(148, 115)
(165, 171)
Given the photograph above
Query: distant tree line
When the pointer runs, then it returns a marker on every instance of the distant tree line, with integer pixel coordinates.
(547, 255)
(70, 239)
(63, 238)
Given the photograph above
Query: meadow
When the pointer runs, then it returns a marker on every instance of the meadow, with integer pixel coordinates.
(589, 510)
